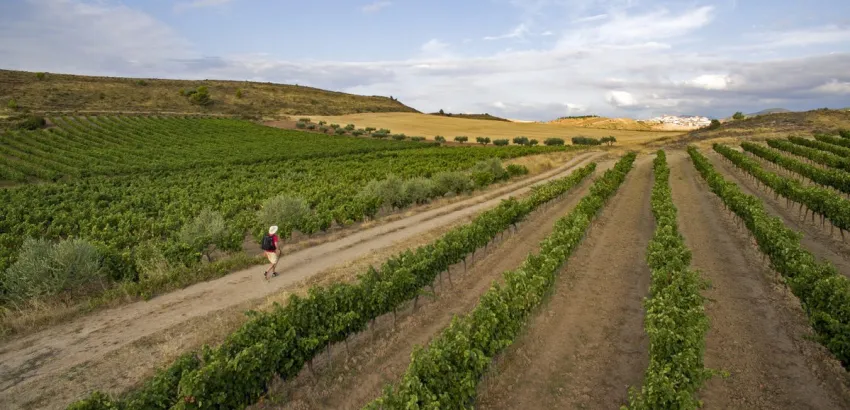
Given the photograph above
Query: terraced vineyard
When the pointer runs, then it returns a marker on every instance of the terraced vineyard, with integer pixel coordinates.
(667, 280)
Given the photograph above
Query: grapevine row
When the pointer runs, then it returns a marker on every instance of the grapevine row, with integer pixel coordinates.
(821, 201)
(282, 341)
(823, 146)
(445, 374)
(840, 141)
(675, 313)
(823, 292)
(835, 178)
(816, 155)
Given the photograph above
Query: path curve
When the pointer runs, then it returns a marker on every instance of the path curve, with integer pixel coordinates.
(57, 349)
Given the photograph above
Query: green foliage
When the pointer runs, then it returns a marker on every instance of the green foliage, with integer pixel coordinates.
(715, 124)
(521, 140)
(350, 127)
(418, 190)
(533, 142)
(381, 133)
(322, 123)
(417, 139)
(334, 126)
(358, 132)
(675, 311)
(578, 117)
(300, 125)
(840, 141)
(445, 374)
(399, 137)
(205, 232)
(46, 268)
(610, 140)
(820, 145)
(821, 201)
(516, 170)
(238, 93)
(553, 141)
(388, 191)
(281, 341)
(323, 129)
(822, 290)
(844, 133)
(29, 122)
(286, 211)
(834, 178)
(96, 401)
(339, 131)
(141, 83)
(462, 138)
(311, 126)
(482, 140)
(305, 119)
(440, 138)
(814, 151)
(738, 116)
(12, 104)
(40, 76)
(500, 142)
(199, 96)
(448, 182)
(584, 141)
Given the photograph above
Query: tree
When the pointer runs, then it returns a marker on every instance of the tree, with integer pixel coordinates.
(500, 143)
(40, 76)
(201, 96)
(553, 141)
(461, 139)
(441, 112)
(533, 142)
(205, 232)
(13, 105)
(610, 140)
(440, 138)
(715, 124)
(483, 140)
(738, 116)
(521, 140)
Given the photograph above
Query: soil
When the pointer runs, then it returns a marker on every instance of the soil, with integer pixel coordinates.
(64, 355)
(758, 332)
(816, 239)
(350, 381)
(586, 346)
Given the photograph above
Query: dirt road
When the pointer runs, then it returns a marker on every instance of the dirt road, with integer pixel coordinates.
(587, 345)
(350, 382)
(816, 239)
(758, 331)
(60, 351)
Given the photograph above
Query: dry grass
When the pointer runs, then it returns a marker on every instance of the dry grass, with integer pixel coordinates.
(74, 93)
(429, 126)
(777, 125)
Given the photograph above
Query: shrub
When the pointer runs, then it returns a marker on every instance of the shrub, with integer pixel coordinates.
(311, 126)
(399, 137)
(440, 138)
(451, 182)
(150, 261)
(370, 129)
(500, 143)
(201, 96)
(417, 138)
(30, 122)
(40, 76)
(339, 131)
(579, 141)
(323, 129)
(12, 104)
(533, 142)
(305, 119)
(482, 140)
(418, 190)
(101, 96)
(239, 93)
(461, 139)
(844, 133)
(738, 116)
(715, 124)
(553, 141)
(206, 232)
(389, 191)
(350, 127)
(141, 83)
(300, 125)
(334, 126)
(610, 140)
(493, 166)
(516, 170)
(520, 140)
(287, 212)
(45, 268)
(322, 123)
(358, 133)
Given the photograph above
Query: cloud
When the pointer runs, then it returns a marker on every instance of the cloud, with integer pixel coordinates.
(184, 5)
(710, 81)
(834, 87)
(376, 6)
(621, 99)
(589, 19)
(517, 32)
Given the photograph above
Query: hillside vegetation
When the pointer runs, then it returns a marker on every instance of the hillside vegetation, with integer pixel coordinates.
(48, 92)
(484, 116)
(777, 125)
(605, 123)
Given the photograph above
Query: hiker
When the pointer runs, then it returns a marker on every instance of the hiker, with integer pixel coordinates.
(271, 249)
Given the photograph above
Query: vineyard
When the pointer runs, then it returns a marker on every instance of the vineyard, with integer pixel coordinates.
(714, 276)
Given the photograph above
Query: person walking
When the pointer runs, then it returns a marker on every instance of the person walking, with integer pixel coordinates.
(269, 245)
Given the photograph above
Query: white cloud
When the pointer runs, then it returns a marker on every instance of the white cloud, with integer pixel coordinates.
(589, 19)
(517, 32)
(834, 87)
(621, 99)
(376, 6)
(184, 5)
(710, 81)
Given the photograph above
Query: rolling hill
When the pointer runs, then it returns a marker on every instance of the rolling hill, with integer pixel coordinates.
(51, 92)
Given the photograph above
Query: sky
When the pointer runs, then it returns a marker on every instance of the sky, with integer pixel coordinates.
(521, 59)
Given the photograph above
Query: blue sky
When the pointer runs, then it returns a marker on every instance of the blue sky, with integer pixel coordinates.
(524, 59)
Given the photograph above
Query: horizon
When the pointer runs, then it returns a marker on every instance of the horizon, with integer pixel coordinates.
(533, 60)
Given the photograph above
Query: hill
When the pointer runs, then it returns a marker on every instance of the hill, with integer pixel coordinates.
(769, 111)
(777, 125)
(85, 94)
(484, 116)
(605, 123)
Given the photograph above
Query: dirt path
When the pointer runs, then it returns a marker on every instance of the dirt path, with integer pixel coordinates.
(816, 239)
(351, 382)
(587, 345)
(758, 332)
(58, 351)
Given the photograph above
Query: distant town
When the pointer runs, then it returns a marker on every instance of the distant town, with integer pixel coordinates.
(683, 121)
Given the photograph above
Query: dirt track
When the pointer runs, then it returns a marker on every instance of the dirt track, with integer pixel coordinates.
(351, 382)
(758, 331)
(32, 363)
(587, 344)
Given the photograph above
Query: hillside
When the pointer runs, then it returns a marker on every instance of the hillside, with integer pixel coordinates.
(484, 116)
(605, 123)
(76, 93)
(777, 125)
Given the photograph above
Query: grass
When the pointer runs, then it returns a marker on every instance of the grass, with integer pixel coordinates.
(484, 116)
(449, 127)
(776, 125)
(85, 94)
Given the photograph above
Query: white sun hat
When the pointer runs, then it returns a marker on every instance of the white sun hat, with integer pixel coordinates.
(272, 230)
